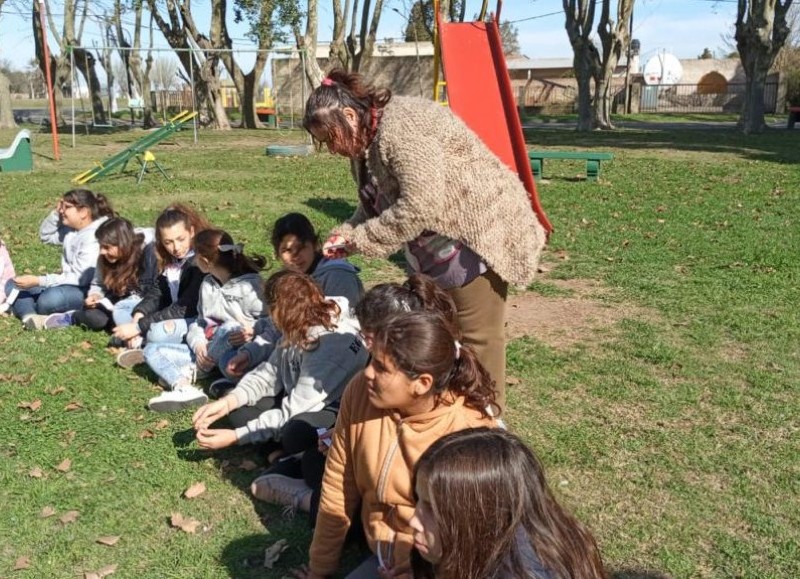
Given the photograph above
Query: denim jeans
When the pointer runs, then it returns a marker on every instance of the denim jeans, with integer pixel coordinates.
(174, 363)
(123, 310)
(39, 300)
(169, 331)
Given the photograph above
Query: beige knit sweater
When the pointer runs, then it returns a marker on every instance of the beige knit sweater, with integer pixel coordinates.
(439, 176)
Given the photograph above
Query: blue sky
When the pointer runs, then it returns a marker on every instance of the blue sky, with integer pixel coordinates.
(682, 27)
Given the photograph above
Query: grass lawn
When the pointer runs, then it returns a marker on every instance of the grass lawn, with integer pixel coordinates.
(672, 432)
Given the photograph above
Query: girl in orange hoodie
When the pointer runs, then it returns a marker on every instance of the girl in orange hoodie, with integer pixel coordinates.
(420, 385)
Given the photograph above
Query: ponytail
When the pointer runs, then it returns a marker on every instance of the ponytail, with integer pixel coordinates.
(218, 248)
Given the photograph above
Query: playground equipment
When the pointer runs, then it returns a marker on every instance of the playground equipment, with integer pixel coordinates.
(18, 156)
(138, 150)
(479, 92)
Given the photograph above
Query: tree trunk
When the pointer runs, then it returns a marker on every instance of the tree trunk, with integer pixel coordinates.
(84, 62)
(307, 44)
(583, 73)
(614, 39)
(59, 68)
(6, 113)
(751, 119)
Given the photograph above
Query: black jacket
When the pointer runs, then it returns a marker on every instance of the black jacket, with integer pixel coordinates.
(157, 304)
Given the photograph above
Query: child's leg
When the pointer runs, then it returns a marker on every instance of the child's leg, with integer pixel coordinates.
(25, 304)
(92, 318)
(173, 363)
(123, 310)
(59, 298)
(218, 346)
(169, 331)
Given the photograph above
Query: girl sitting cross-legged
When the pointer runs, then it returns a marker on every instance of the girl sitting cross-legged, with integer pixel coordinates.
(170, 305)
(299, 387)
(512, 526)
(126, 270)
(231, 299)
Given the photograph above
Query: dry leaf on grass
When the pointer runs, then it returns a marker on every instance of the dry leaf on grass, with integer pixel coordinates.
(161, 424)
(36, 472)
(109, 541)
(273, 552)
(56, 391)
(86, 345)
(185, 524)
(512, 380)
(47, 512)
(73, 406)
(69, 517)
(104, 572)
(22, 563)
(34, 406)
(146, 433)
(65, 465)
(195, 490)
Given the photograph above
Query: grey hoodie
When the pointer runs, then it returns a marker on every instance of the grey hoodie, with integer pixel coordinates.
(80, 253)
(241, 300)
(310, 380)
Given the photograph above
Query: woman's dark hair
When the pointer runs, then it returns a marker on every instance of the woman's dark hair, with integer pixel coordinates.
(295, 224)
(297, 304)
(489, 498)
(218, 248)
(423, 342)
(418, 292)
(172, 215)
(339, 90)
(97, 203)
(122, 276)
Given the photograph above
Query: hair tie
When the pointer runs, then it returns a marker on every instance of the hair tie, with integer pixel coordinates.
(458, 350)
(328, 81)
(235, 248)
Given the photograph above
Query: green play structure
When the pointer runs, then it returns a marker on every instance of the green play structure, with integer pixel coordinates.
(18, 156)
(138, 151)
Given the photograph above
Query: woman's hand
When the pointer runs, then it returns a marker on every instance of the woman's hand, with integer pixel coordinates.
(305, 573)
(92, 300)
(213, 411)
(238, 365)
(205, 363)
(240, 337)
(337, 247)
(126, 331)
(26, 281)
(216, 438)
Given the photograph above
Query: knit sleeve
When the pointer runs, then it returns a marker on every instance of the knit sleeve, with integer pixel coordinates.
(418, 166)
(340, 495)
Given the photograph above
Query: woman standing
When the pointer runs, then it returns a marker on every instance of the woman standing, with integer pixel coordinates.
(428, 184)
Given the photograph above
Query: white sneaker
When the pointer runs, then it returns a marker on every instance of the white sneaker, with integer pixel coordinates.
(34, 322)
(58, 321)
(178, 399)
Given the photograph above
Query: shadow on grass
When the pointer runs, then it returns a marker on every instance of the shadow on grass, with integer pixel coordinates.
(338, 209)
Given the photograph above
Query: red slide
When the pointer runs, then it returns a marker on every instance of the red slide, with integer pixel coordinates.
(479, 92)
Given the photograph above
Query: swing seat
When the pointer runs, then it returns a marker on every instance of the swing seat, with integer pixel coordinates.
(17, 157)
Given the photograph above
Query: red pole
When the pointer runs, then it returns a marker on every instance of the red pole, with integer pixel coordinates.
(50, 93)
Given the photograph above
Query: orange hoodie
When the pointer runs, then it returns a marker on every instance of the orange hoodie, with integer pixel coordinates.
(371, 461)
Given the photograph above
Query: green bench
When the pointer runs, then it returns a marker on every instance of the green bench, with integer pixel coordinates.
(592, 159)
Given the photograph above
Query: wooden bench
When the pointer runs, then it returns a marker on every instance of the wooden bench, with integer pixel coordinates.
(592, 159)
(794, 116)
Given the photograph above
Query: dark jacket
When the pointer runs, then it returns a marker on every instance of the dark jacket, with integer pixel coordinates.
(148, 275)
(157, 304)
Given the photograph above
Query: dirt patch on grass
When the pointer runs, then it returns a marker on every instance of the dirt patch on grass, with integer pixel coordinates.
(564, 321)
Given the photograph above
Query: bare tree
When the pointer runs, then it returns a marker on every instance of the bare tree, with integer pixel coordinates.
(137, 80)
(353, 50)
(291, 16)
(761, 32)
(589, 63)
(6, 113)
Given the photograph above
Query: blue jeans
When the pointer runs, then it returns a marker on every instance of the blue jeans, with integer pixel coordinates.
(169, 331)
(123, 310)
(39, 300)
(173, 362)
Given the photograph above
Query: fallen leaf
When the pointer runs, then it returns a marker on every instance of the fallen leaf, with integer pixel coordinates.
(247, 465)
(146, 433)
(195, 490)
(22, 563)
(273, 552)
(89, 360)
(34, 406)
(161, 424)
(56, 391)
(73, 406)
(65, 465)
(512, 380)
(47, 512)
(110, 541)
(69, 517)
(36, 472)
(185, 524)
(104, 572)
(63, 359)
(86, 345)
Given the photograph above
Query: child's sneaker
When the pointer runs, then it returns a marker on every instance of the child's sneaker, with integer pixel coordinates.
(129, 358)
(220, 388)
(293, 493)
(57, 321)
(34, 322)
(178, 399)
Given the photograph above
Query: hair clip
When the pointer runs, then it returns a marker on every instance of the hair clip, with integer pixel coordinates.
(235, 248)
(327, 81)
(458, 349)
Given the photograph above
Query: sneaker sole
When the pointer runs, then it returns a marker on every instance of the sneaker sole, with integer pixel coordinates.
(130, 358)
(176, 405)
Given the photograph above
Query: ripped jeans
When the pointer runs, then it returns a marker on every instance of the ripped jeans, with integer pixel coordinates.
(169, 331)
(175, 363)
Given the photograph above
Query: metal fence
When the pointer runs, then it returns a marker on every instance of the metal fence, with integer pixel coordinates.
(692, 98)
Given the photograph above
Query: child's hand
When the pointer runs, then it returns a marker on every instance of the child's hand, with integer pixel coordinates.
(216, 438)
(92, 300)
(240, 337)
(205, 363)
(126, 331)
(26, 281)
(324, 441)
(237, 365)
